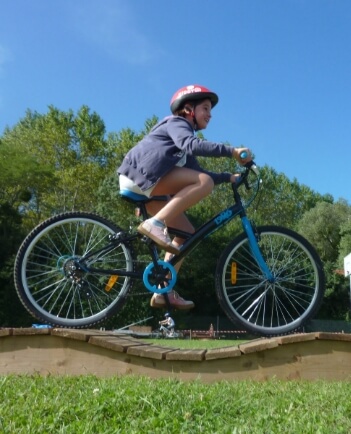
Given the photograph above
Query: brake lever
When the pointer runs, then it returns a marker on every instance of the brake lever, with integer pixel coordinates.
(251, 164)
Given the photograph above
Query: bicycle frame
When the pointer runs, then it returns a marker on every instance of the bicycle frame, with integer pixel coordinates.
(192, 241)
(216, 223)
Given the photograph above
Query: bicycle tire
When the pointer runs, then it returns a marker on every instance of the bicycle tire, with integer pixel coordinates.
(270, 308)
(44, 262)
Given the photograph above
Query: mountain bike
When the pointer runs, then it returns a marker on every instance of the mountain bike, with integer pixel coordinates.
(76, 269)
(162, 334)
(169, 334)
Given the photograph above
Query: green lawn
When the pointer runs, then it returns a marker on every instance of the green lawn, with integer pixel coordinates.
(196, 344)
(130, 404)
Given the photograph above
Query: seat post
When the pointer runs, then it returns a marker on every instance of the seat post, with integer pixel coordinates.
(142, 207)
(140, 201)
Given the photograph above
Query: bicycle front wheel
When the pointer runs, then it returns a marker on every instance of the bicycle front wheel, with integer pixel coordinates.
(281, 305)
(51, 286)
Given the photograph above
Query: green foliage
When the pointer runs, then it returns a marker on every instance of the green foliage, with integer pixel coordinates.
(20, 173)
(72, 148)
(345, 241)
(321, 226)
(336, 303)
(12, 313)
(283, 202)
(327, 227)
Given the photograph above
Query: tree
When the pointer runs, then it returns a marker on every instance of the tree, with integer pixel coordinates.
(345, 241)
(282, 201)
(20, 174)
(325, 226)
(322, 225)
(74, 148)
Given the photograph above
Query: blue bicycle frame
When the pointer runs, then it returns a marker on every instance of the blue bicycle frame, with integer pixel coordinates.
(221, 219)
(192, 240)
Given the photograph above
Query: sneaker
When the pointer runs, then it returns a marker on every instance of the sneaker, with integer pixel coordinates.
(158, 235)
(175, 300)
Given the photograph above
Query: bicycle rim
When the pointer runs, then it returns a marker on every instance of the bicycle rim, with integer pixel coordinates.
(52, 290)
(274, 307)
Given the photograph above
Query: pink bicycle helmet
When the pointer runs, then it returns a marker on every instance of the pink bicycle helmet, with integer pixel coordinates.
(191, 93)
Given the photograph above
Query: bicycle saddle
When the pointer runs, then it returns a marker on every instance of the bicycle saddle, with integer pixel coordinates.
(135, 197)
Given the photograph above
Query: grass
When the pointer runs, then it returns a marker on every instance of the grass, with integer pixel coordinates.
(195, 344)
(31, 404)
(130, 404)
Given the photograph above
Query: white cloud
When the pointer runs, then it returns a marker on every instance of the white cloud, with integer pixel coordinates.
(112, 26)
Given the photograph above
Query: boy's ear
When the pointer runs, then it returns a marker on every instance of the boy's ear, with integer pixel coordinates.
(188, 109)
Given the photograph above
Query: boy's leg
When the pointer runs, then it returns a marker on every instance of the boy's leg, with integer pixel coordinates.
(186, 186)
(180, 222)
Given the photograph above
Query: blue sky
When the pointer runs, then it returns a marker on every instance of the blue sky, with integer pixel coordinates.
(281, 68)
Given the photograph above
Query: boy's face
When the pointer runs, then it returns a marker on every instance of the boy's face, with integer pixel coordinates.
(203, 113)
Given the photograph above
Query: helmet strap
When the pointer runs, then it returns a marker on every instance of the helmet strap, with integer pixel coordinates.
(194, 119)
(192, 114)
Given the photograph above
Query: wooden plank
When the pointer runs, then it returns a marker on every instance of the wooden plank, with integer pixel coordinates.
(258, 345)
(298, 337)
(222, 353)
(113, 343)
(137, 350)
(294, 357)
(30, 331)
(154, 352)
(334, 336)
(190, 355)
(5, 332)
(78, 334)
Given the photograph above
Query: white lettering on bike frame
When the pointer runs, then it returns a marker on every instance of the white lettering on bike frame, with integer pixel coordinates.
(225, 215)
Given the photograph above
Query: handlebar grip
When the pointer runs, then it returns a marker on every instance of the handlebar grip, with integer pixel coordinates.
(251, 164)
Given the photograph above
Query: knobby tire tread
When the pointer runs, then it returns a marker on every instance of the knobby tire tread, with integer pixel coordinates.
(18, 267)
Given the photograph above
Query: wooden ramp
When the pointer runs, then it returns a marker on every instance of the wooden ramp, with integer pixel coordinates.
(310, 356)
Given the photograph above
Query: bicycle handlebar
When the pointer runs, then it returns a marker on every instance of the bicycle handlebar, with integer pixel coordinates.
(251, 164)
(243, 180)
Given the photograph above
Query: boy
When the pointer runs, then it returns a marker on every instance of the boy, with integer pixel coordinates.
(164, 163)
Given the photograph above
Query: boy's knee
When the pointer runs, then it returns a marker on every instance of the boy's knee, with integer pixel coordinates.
(207, 182)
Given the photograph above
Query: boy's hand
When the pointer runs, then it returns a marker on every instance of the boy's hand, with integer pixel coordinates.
(235, 177)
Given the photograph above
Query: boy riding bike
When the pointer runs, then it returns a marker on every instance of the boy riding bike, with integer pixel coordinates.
(167, 325)
(164, 163)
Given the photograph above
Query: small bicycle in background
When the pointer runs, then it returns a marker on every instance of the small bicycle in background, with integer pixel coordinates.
(76, 269)
(158, 334)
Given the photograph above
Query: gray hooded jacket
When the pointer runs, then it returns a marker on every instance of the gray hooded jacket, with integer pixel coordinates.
(165, 145)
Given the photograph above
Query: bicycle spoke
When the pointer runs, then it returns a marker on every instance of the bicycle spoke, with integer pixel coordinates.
(55, 287)
(274, 306)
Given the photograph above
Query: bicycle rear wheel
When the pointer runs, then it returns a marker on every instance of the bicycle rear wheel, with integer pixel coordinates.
(51, 286)
(270, 308)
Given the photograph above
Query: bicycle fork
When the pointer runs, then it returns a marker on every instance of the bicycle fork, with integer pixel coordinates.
(255, 249)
